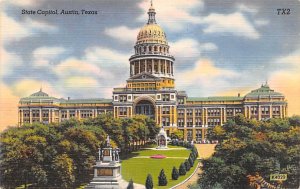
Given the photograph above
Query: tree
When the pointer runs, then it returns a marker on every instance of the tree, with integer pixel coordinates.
(149, 182)
(175, 173)
(182, 169)
(191, 161)
(247, 147)
(162, 179)
(63, 167)
(130, 184)
(187, 165)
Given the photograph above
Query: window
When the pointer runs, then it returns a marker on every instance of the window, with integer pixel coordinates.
(166, 110)
(122, 111)
(180, 122)
(180, 112)
(180, 101)
(198, 122)
(189, 112)
(166, 97)
(123, 98)
(198, 112)
(165, 121)
(189, 122)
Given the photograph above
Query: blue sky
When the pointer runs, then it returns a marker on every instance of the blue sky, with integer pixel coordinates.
(221, 47)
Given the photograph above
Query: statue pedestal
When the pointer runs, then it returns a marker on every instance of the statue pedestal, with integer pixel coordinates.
(107, 171)
(106, 176)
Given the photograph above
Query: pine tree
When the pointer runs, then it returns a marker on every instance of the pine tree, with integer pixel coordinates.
(149, 182)
(175, 173)
(182, 170)
(162, 179)
(190, 160)
(130, 184)
(187, 165)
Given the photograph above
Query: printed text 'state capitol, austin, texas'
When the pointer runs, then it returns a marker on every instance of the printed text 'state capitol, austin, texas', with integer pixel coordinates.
(150, 90)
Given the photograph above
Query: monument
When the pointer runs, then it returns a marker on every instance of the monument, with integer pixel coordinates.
(107, 171)
(162, 139)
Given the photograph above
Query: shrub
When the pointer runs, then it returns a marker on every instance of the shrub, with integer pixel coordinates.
(162, 179)
(175, 173)
(187, 165)
(130, 184)
(182, 170)
(149, 182)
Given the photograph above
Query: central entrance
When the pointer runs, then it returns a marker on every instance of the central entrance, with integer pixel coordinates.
(145, 107)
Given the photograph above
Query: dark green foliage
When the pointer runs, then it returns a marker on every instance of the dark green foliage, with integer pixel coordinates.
(130, 184)
(162, 179)
(191, 162)
(62, 155)
(187, 165)
(182, 169)
(149, 182)
(175, 173)
(249, 146)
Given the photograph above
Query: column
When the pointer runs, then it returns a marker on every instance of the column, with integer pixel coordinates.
(156, 114)
(79, 114)
(249, 111)
(139, 66)
(172, 70)
(175, 116)
(259, 112)
(160, 115)
(171, 115)
(152, 63)
(59, 115)
(194, 134)
(159, 66)
(30, 116)
(21, 117)
(40, 115)
(184, 115)
(245, 112)
(49, 116)
(206, 117)
(96, 112)
(203, 119)
(194, 118)
(225, 115)
(271, 111)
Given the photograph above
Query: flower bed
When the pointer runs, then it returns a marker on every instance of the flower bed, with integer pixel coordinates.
(158, 156)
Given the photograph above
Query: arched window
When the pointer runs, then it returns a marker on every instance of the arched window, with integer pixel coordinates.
(155, 48)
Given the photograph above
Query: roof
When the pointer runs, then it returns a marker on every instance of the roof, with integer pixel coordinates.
(87, 101)
(39, 94)
(264, 90)
(214, 98)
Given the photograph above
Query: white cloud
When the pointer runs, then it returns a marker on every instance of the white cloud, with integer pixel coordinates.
(235, 23)
(261, 22)
(189, 47)
(14, 30)
(44, 55)
(123, 33)
(173, 14)
(23, 3)
(203, 77)
(287, 80)
(8, 62)
(245, 8)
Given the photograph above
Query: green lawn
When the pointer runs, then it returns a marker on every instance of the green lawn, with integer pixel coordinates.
(137, 169)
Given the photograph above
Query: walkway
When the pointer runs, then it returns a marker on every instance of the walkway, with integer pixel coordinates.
(204, 151)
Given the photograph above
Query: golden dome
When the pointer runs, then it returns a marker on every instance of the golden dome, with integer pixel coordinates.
(151, 33)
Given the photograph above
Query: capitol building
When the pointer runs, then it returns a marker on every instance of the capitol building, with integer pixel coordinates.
(150, 90)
